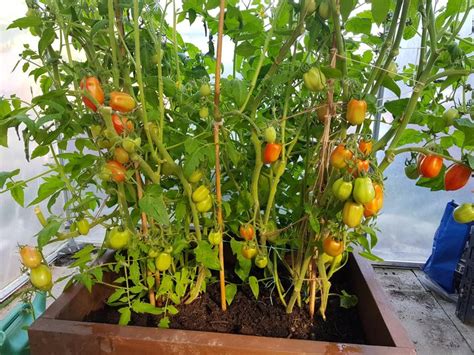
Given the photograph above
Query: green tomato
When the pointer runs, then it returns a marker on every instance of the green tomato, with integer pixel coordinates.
(204, 112)
(324, 10)
(163, 261)
(83, 226)
(249, 250)
(153, 253)
(118, 239)
(205, 206)
(464, 213)
(314, 80)
(215, 238)
(261, 261)
(270, 135)
(130, 145)
(195, 176)
(411, 171)
(41, 277)
(342, 189)
(392, 70)
(449, 116)
(364, 191)
(200, 194)
(205, 90)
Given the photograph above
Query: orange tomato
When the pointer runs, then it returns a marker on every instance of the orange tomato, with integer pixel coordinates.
(117, 171)
(271, 153)
(121, 101)
(247, 232)
(356, 110)
(374, 206)
(122, 124)
(360, 166)
(340, 156)
(365, 147)
(332, 246)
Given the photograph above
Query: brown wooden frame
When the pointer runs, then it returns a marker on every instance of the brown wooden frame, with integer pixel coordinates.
(60, 329)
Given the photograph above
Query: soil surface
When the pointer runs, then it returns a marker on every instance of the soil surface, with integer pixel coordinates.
(265, 317)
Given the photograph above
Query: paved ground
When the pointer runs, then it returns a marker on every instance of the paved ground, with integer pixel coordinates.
(429, 319)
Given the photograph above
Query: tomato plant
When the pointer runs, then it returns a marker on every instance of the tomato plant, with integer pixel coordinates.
(160, 153)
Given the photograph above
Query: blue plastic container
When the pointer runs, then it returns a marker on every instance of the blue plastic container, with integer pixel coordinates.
(13, 328)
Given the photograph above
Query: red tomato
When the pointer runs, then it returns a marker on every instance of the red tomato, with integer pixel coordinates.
(122, 124)
(92, 85)
(271, 153)
(430, 166)
(456, 177)
(117, 171)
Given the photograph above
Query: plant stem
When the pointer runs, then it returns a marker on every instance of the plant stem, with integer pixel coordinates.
(113, 44)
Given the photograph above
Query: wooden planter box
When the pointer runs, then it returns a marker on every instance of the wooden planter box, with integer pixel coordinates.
(60, 330)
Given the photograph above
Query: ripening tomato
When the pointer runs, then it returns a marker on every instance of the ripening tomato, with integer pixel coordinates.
(204, 112)
(373, 207)
(247, 232)
(321, 112)
(430, 166)
(340, 156)
(365, 147)
(122, 124)
(41, 277)
(464, 213)
(314, 80)
(92, 85)
(352, 214)
(121, 101)
(363, 191)
(163, 261)
(356, 110)
(30, 256)
(117, 171)
(342, 189)
(360, 166)
(332, 246)
(456, 177)
(121, 155)
(271, 153)
(249, 250)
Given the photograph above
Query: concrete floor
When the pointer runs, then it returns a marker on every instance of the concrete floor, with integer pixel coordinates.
(430, 321)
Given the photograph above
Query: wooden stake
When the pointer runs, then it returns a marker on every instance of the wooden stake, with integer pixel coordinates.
(217, 124)
(312, 289)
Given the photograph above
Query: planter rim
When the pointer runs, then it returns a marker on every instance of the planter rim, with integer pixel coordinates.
(57, 322)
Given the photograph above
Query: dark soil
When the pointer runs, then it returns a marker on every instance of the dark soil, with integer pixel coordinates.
(265, 317)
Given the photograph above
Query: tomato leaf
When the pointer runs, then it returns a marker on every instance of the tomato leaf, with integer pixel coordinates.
(230, 291)
(253, 283)
(380, 10)
(51, 229)
(347, 300)
(4, 175)
(207, 255)
(153, 205)
(125, 315)
(346, 8)
(142, 307)
(164, 323)
(390, 84)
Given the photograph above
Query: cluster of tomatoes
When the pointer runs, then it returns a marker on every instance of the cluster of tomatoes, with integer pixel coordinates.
(122, 104)
(202, 198)
(40, 274)
(249, 248)
(430, 166)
